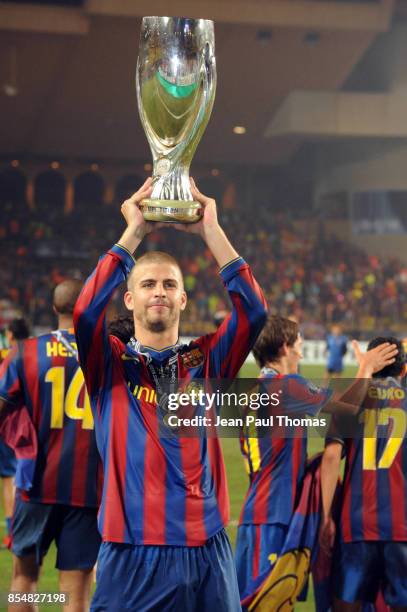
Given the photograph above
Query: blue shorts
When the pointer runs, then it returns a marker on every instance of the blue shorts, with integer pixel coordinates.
(166, 578)
(362, 568)
(257, 547)
(35, 526)
(8, 461)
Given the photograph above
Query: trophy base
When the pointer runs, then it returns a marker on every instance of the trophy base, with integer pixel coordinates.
(171, 211)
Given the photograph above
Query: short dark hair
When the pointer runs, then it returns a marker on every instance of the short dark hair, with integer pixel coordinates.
(394, 369)
(276, 332)
(122, 327)
(19, 328)
(159, 257)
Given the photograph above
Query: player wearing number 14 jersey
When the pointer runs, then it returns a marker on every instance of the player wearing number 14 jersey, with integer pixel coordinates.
(371, 549)
(42, 375)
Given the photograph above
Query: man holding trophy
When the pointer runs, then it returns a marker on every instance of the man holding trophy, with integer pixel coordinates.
(165, 501)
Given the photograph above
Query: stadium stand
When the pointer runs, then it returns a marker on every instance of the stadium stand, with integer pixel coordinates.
(304, 270)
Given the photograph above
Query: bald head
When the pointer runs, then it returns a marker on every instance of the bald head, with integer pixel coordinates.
(154, 257)
(65, 296)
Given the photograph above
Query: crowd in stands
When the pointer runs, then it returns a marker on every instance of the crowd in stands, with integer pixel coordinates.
(304, 271)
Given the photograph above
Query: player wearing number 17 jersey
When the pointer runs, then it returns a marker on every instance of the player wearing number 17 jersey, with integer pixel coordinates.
(41, 377)
(371, 549)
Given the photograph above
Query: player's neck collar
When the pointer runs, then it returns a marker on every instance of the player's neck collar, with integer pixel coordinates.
(267, 371)
(388, 380)
(136, 346)
(63, 340)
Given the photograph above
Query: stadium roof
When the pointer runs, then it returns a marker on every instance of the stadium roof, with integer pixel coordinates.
(67, 75)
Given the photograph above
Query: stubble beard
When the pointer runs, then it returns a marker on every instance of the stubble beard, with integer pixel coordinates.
(156, 327)
(143, 320)
(160, 325)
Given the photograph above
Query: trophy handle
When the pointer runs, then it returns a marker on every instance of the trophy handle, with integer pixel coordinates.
(148, 131)
(175, 183)
(208, 77)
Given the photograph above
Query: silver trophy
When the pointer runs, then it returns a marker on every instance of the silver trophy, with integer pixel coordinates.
(176, 83)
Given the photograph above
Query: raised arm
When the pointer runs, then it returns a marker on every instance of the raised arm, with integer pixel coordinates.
(90, 310)
(210, 230)
(330, 470)
(230, 345)
(370, 362)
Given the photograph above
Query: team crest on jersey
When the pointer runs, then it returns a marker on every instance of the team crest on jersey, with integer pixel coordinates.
(193, 358)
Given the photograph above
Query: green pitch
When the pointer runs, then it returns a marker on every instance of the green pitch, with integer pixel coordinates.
(237, 481)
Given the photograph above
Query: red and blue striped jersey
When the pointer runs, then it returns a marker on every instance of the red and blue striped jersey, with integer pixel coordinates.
(374, 503)
(43, 375)
(275, 459)
(158, 489)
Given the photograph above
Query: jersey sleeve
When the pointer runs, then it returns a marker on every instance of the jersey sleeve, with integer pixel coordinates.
(227, 349)
(94, 347)
(10, 381)
(300, 396)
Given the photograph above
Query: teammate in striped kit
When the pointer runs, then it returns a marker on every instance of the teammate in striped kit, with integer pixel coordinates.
(16, 330)
(371, 552)
(276, 459)
(165, 499)
(275, 463)
(43, 375)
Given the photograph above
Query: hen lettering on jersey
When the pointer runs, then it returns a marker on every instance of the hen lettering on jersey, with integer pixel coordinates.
(57, 349)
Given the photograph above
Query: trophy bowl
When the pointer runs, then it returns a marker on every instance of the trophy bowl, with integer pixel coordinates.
(176, 84)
